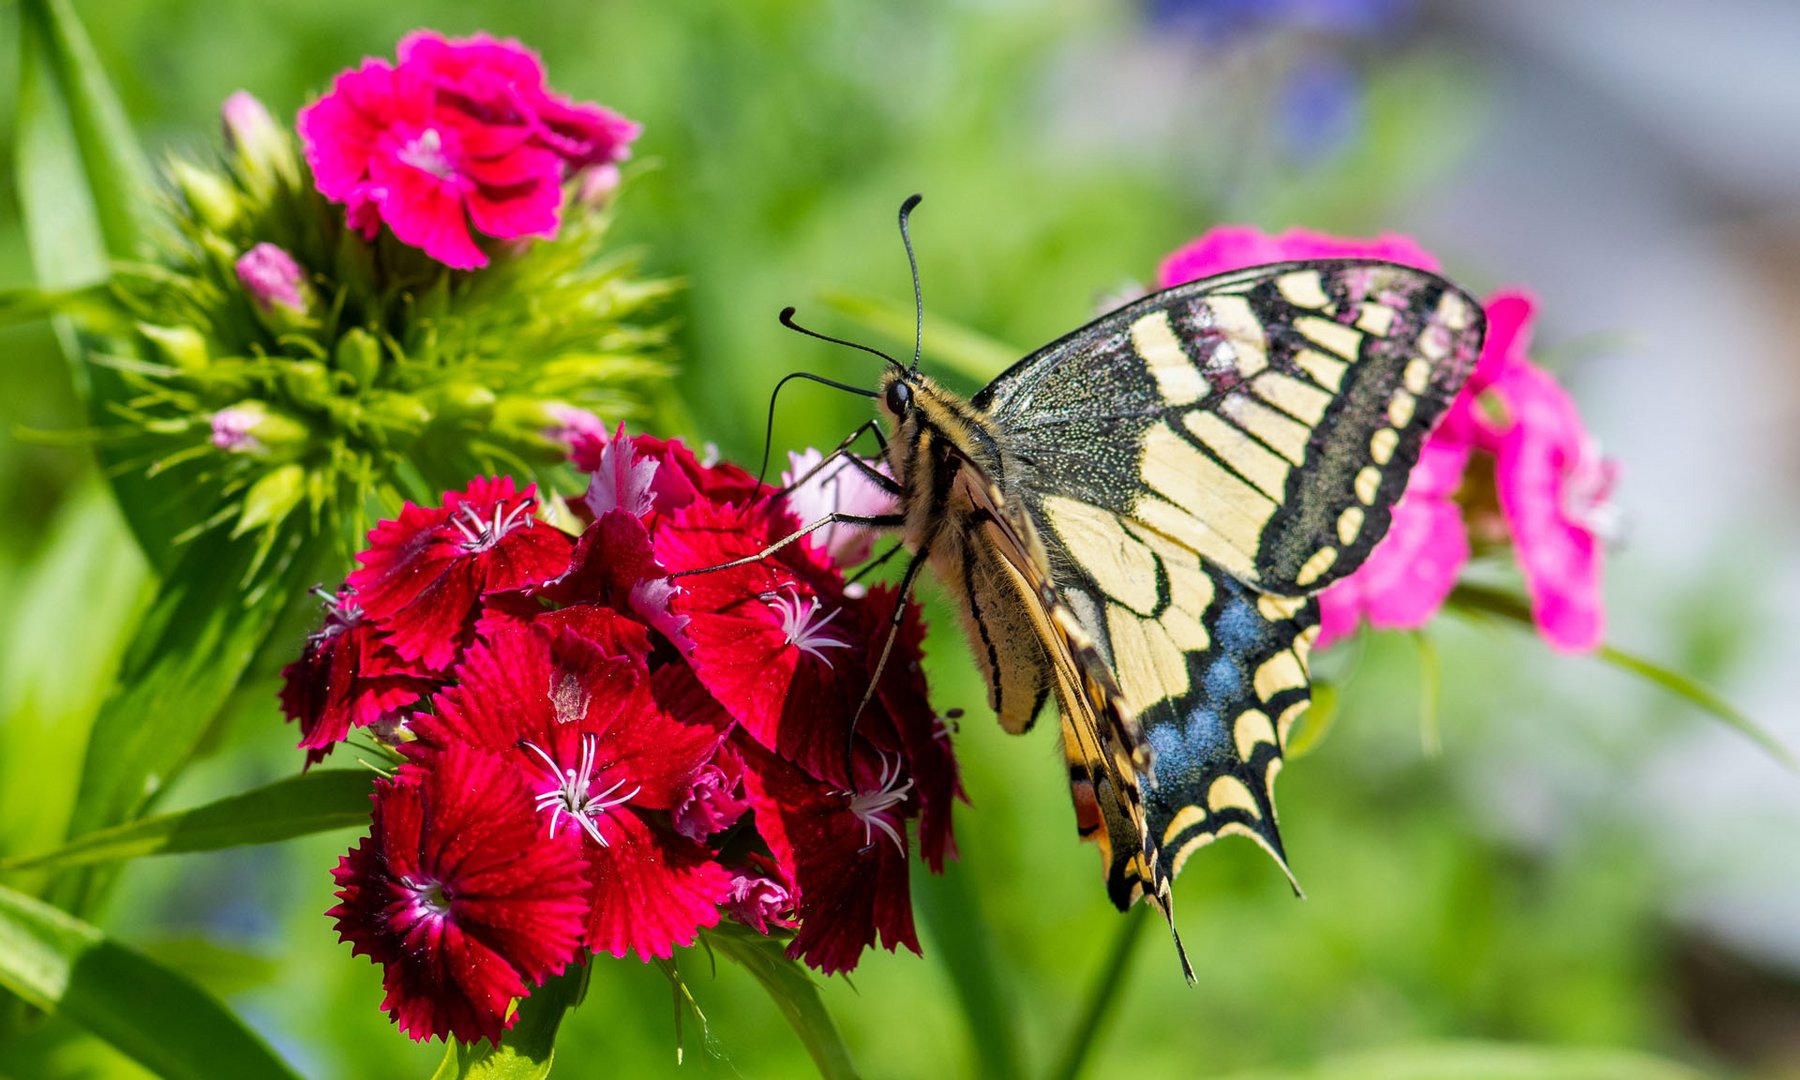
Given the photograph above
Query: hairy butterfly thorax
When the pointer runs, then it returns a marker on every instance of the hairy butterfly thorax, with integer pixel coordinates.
(1135, 519)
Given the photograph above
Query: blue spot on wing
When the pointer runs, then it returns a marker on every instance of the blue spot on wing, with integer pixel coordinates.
(1240, 626)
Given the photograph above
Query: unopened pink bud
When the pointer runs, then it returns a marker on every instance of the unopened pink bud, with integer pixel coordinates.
(275, 283)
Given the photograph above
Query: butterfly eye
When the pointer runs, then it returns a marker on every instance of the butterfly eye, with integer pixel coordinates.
(899, 397)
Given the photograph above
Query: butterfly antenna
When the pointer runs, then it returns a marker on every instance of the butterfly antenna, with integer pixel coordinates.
(787, 320)
(906, 209)
(769, 426)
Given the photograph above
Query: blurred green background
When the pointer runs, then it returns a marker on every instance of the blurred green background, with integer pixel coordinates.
(1585, 864)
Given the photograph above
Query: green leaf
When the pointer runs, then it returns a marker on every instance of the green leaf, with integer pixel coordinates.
(87, 582)
(190, 650)
(969, 352)
(60, 964)
(297, 806)
(962, 943)
(793, 991)
(79, 159)
(1482, 600)
(684, 1002)
(84, 200)
(1488, 1061)
(528, 1049)
(91, 304)
(1315, 722)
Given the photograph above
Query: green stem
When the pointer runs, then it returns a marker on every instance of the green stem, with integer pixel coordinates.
(961, 943)
(1102, 996)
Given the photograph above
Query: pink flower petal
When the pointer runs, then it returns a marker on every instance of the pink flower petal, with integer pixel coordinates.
(1235, 247)
(1552, 485)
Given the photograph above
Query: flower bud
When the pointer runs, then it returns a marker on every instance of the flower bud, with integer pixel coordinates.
(278, 288)
(307, 382)
(209, 195)
(182, 346)
(594, 186)
(461, 400)
(250, 427)
(393, 420)
(271, 498)
(260, 148)
(358, 355)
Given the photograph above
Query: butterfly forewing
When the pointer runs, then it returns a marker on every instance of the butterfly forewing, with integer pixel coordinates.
(1266, 420)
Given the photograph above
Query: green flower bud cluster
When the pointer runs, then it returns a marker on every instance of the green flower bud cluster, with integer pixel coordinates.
(287, 370)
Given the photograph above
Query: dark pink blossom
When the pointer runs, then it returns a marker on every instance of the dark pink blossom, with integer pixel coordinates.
(845, 850)
(346, 677)
(1410, 574)
(275, 283)
(758, 900)
(1553, 484)
(1234, 247)
(424, 573)
(459, 896)
(234, 429)
(459, 135)
(580, 432)
(715, 800)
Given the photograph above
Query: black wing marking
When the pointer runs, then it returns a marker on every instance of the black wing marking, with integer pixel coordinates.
(1266, 419)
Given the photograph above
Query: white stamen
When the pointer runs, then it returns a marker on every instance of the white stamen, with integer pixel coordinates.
(427, 152)
(430, 895)
(870, 806)
(570, 793)
(479, 535)
(803, 628)
(1584, 496)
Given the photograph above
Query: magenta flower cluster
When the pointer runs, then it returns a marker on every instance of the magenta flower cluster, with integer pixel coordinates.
(459, 137)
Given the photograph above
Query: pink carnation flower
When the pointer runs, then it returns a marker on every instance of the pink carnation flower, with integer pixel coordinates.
(460, 134)
(1553, 485)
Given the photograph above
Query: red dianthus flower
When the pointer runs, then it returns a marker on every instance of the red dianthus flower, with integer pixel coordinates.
(424, 573)
(459, 897)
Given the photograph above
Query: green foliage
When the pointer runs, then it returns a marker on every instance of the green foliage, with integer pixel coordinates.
(56, 962)
(318, 801)
(793, 991)
(781, 135)
(529, 1048)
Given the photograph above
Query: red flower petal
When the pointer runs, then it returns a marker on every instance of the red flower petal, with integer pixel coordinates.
(778, 655)
(423, 573)
(459, 896)
(923, 736)
(851, 875)
(346, 677)
(652, 890)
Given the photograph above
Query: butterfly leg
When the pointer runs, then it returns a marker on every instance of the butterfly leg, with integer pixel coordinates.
(842, 450)
(887, 646)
